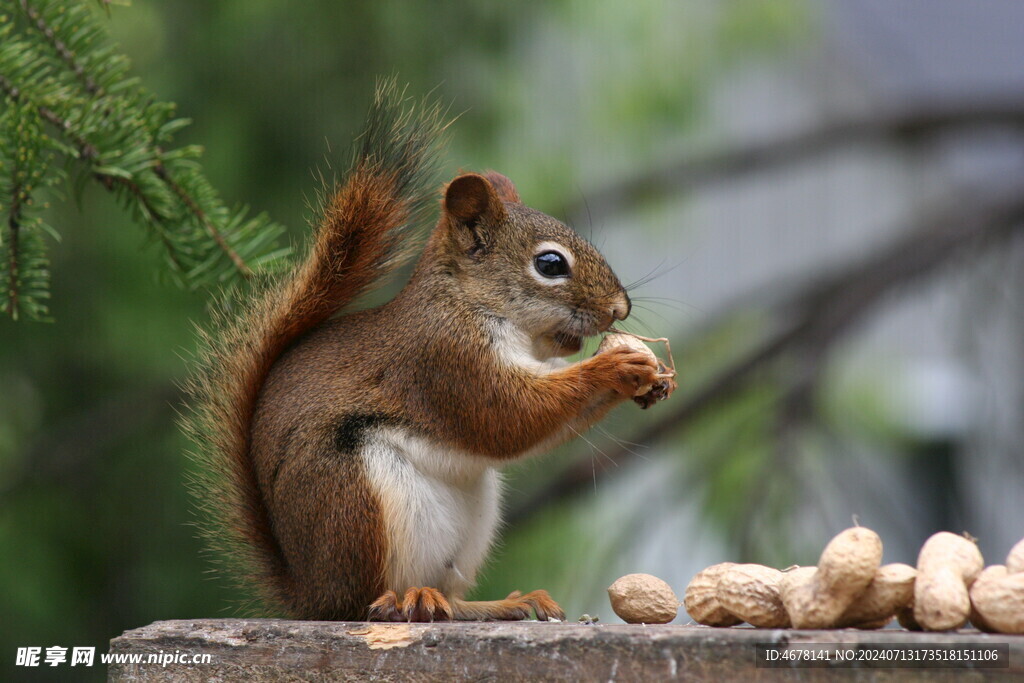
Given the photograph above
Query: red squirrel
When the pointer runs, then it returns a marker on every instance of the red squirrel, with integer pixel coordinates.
(350, 462)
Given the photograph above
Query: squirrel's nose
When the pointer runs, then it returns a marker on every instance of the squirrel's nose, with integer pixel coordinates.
(620, 309)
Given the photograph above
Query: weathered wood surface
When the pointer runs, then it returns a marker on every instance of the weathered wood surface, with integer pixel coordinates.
(279, 650)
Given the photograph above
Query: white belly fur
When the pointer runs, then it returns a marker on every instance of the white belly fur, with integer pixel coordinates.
(440, 508)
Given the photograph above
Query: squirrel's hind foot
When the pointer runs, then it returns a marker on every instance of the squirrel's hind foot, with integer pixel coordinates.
(418, 604)
(513, 608)
(429, 604)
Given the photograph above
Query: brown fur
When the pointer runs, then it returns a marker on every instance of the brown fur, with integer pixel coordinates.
(426, 361)
(423, 360)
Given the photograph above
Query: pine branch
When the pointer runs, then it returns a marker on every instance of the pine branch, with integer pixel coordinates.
(56, 58)
(93, 88)
(62, 50)
(159, 165)
(201, 216)
(25, 167)
(136, 192)
(87, 152)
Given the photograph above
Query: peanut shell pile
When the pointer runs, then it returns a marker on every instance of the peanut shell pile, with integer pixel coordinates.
(851, 588)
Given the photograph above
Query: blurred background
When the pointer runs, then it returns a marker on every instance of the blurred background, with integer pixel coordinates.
(819, 203)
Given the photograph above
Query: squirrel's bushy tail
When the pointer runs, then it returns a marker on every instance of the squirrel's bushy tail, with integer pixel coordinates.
(361, 237)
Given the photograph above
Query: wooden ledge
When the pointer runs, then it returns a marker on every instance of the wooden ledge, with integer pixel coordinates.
(280, 650)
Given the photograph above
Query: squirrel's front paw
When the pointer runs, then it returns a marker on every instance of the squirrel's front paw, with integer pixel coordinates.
(418, 604)
(660, 390)
(627, 371)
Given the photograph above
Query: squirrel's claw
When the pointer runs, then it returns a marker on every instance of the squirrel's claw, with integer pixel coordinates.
(418, 604)
(385, 608)
(426, 604)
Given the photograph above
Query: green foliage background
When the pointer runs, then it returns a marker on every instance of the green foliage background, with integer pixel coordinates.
(560, 96)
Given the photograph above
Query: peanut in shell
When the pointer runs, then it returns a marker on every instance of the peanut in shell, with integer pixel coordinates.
(643, 599)
(946, 567)
(997, 598)
(751, 592)
(701, 598)
(891, 590)
(845, 569)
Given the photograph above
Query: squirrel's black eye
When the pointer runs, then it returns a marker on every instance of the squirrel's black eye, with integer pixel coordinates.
(551, 264)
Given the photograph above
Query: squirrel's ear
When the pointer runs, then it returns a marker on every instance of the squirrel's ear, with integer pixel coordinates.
(473, 205)
(471, 197)
(503, 186)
